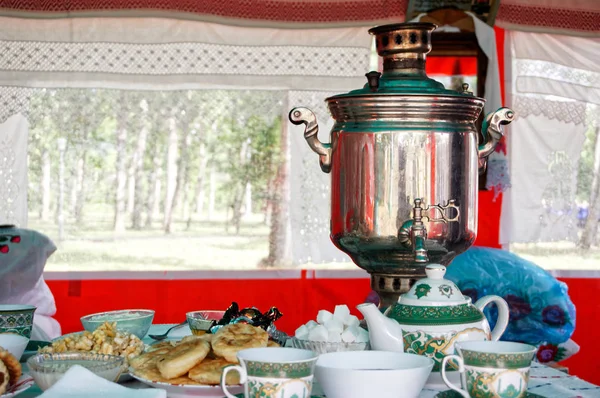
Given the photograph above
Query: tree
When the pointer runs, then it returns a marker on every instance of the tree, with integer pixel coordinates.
(591, 225)
(121, 166)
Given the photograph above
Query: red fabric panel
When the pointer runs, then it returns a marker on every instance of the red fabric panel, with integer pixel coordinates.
(551, 17)
(585, 364)
(488, 229)
(301, 11)
(454, 66)
(298, 299)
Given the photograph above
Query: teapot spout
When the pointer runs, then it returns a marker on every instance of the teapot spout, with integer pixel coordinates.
(385, 333)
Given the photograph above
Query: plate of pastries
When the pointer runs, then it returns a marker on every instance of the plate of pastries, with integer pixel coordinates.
(12, 379)
(193, 365)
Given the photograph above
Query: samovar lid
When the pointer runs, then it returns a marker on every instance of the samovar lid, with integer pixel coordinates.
(404, 88)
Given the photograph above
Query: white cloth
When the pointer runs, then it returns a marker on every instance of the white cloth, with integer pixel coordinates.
(173, 54)
(486, 38)
(553, 80)
(22, 281)
(13, 170)
(79, 382)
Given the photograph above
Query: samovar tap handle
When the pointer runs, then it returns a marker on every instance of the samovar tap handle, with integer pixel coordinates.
(307, 117)
(492, 133)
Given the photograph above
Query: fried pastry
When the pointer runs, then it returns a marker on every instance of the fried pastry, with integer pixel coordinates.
(236, 337)
(12, 364)
(153, 374)
(182, 358)
(150, 357)
(272, 343)
(4, 378)
(209, 372)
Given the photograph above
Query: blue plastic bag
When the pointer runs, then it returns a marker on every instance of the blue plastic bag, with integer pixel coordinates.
(540, 308)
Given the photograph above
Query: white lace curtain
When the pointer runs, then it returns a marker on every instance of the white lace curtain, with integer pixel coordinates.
(554, 87)
(303, 65)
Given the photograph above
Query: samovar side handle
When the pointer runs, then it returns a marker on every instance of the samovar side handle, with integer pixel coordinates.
(306, 116)
(492, 133)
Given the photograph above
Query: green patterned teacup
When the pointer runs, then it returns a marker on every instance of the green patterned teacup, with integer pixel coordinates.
(16, 318)
(274, 372)
(491, 369)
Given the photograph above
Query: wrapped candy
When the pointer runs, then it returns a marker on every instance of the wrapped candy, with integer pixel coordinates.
(252, 316)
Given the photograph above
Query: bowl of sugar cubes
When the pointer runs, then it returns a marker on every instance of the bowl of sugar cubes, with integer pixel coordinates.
(332, 332)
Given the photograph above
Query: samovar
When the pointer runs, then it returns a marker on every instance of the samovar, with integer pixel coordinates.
(404, 159)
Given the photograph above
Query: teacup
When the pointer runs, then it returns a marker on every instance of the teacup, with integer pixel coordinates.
(492, 369)
(17, 318)
(274, 372)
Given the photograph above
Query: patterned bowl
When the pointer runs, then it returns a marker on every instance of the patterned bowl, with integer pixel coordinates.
(47, 369)
(324, 347)
(17, 318)
(137, 322)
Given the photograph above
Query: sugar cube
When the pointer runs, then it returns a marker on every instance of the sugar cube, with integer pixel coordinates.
(350, 334)
(318, 333)
(351, 320)
(334, 325)
(302, 333)
(334, 336)
(324, 316)
(341, 312)
(311, 324)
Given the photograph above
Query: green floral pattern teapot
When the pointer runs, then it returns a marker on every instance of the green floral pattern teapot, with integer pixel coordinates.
(431, 318)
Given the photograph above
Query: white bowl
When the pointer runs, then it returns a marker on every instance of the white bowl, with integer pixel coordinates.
(14, 343)
(324, 347)
(381, 374)
(47, 369)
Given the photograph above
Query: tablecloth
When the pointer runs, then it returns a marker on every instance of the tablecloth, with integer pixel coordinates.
(543, 380)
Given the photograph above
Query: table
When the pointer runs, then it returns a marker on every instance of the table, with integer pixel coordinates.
(543, 380)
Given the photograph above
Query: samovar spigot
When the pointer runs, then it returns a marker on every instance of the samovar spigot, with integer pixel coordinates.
(413, 233)
(419, 233)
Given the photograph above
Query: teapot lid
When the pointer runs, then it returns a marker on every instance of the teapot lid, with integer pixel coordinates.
(434, 290)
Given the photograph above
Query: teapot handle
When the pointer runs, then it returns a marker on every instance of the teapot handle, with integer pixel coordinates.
(503, 313)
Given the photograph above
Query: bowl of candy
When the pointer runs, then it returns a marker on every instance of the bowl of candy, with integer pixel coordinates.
(332, 332)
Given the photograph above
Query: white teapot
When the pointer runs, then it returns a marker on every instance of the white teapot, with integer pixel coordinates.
(431, 317)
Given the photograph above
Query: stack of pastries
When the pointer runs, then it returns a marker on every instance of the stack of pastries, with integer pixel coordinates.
(199, 360)
(10, 370)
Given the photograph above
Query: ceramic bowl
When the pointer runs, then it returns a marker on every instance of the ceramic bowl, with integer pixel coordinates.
(16, 318)
(47, 369)
(324, 347)
(14, 343)
(200, 321)
(137, 322)
(381, 374)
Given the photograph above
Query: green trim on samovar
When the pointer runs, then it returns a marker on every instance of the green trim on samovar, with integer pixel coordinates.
(435, 315)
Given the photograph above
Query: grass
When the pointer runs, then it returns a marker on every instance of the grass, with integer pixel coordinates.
(206, 245)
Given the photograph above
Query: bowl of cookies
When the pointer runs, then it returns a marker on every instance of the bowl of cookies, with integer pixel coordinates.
(193, 365)
(136, 322)
(105, 340)
(332, 332)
